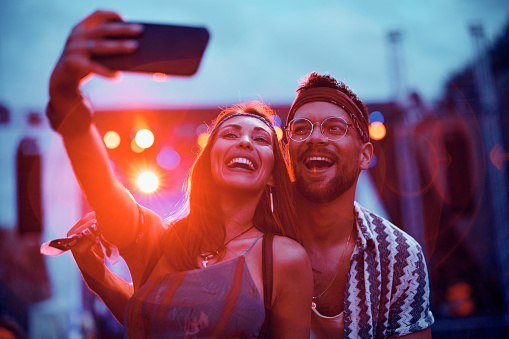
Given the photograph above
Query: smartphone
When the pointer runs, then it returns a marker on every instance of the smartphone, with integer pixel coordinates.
(169, 49)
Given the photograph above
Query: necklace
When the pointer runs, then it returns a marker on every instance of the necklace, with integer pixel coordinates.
(207, 256)
(313, 303)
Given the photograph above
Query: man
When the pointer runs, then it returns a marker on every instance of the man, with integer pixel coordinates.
(370, 278)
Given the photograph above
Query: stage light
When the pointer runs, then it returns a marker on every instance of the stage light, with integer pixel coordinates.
(148, 182)
(111, 139)
(144, 138)
(202, 139)
(377, 130)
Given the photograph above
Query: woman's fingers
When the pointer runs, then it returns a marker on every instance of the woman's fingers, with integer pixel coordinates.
(115, 30)
(85, 222)
(101, 33)
(99, 17)
(81, 48)
(86, 249)
(83, 62)
(110, 46)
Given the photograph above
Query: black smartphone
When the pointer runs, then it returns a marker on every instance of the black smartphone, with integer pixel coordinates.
(170, 49)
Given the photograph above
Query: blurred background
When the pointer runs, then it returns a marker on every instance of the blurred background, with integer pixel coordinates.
(434, 75)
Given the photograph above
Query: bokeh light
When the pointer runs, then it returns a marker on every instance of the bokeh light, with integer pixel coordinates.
(202, 139)
(373, 161)
(376, 116)
(168, 159)
(135, 148)
(148, 182)
(279, 132)
(203, 128)
(498, 157)
(377, 130)
(144, 138)
(277, 120)
(111, 139)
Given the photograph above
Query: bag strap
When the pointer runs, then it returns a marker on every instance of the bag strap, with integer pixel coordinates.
(268, 277)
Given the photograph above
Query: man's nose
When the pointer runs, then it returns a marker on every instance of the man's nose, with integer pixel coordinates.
(316, 135)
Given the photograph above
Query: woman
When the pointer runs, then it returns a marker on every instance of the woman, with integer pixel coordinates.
(202, 275)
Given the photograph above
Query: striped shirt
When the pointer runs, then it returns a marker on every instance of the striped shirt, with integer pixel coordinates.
(387, 293)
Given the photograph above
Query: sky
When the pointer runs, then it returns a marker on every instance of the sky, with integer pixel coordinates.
(258, 49)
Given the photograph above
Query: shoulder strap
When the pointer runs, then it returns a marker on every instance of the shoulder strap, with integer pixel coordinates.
(252, 244)
(268, 275)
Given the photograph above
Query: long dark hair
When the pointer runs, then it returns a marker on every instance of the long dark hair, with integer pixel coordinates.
(203, 229)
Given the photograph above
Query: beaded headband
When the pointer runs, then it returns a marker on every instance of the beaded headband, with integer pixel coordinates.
(259, 117)
(336, 97)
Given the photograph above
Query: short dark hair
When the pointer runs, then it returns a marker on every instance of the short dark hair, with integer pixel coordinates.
(314, 79)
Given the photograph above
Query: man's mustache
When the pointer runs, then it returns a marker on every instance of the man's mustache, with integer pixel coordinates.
(317, 151)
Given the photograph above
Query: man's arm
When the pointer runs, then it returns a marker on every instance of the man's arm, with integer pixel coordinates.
(113, 290)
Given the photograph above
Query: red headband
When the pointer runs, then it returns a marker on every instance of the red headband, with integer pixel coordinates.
(336, 97)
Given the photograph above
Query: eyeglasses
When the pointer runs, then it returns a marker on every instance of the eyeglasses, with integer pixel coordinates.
(333, 128)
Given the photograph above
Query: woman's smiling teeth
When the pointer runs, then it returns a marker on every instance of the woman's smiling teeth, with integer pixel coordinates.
(318, 162)
(241, 163)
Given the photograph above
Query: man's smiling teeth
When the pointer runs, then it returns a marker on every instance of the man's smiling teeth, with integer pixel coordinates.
(314, 163)
(241, 161)
(309, 159)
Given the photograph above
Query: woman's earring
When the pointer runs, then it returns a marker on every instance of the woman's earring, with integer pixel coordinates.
(271, 199)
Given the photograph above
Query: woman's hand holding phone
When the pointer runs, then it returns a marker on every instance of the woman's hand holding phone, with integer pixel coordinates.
(87, 39)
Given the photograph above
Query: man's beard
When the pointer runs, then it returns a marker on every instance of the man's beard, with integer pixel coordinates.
(324, 192)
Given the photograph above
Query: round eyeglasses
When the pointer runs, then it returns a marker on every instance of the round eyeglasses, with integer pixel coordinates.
(333, 128)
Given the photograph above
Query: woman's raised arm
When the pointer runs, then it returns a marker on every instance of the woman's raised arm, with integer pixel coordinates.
(70, 115)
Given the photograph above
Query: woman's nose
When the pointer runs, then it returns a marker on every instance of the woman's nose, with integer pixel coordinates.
(245, 142)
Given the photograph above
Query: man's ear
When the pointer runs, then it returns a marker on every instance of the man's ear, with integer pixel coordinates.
(365, 155)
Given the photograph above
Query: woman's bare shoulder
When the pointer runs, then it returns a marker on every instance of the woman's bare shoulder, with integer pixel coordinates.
(289, 254)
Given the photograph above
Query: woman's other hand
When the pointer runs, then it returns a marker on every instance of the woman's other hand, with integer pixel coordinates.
(88, 253)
